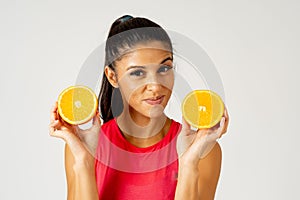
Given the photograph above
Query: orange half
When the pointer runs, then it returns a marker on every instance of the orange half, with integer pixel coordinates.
(77, 104)
(202, 108)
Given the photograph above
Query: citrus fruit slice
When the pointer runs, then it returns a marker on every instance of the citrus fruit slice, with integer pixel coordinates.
(202, 108)
(77, 104)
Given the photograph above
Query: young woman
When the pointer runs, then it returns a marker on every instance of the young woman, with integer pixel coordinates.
(132, 155)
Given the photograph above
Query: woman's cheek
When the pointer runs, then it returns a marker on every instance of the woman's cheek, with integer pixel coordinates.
(168, 81)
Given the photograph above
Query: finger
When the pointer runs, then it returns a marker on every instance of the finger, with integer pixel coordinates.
(226, 115)
(58, 133)
(185, 125)
(53, 113)
(54, 123)
(59, 124)
(54, 106)
(203, 132)
(225, 112)
(53, 128)
(77, 129)
(64, 123)
(96, 119)
(226, 120)
(221, 128)
(222, 122)
(225, 127)
(213, 131)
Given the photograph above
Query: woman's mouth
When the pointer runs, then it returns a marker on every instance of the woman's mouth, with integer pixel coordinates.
(155, 100)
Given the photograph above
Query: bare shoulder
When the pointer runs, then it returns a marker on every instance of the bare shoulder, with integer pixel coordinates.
(209, 170)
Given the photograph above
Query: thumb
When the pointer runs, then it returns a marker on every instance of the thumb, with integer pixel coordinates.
(96, 119)
(185, 125)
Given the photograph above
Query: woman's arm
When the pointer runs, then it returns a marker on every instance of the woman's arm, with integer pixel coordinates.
(200, 165)
(200, 182)
(81, 180)
(209, 172)
(79, 162)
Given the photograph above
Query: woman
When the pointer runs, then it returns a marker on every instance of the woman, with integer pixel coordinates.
(131, 155)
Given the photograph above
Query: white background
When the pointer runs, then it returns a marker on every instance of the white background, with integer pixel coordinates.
(254, 45)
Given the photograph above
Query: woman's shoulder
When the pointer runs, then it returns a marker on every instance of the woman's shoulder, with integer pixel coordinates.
(110, 124)
(175, 124)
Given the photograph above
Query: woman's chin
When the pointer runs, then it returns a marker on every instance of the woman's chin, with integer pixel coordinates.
(156, 111)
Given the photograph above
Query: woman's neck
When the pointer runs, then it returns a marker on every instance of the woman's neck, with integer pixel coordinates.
(142, 131)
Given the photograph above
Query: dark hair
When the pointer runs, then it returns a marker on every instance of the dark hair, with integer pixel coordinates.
(125, 33)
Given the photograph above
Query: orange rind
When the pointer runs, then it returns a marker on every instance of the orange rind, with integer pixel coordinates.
(77, 104)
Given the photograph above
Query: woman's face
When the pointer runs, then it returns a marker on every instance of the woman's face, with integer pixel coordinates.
(145, 78)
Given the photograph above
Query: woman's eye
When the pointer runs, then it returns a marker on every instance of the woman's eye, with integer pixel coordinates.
(164, 68)
(137, 73)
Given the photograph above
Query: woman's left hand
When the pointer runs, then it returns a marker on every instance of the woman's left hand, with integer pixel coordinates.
(197, 144)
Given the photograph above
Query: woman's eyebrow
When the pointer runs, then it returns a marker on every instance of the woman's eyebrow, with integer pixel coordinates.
(132, 67)
(166, 59)
(143, 67)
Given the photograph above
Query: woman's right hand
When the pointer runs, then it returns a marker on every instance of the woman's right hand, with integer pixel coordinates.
(81, 142)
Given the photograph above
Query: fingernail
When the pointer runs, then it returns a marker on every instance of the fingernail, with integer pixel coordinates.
(222, 121)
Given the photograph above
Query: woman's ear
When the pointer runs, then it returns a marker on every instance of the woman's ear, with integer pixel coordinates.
(111, 76)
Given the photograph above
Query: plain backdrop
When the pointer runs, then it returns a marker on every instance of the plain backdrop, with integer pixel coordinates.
(254, 45)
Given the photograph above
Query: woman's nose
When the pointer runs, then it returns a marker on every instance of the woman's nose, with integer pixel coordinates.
(153, 82)
(154, 86)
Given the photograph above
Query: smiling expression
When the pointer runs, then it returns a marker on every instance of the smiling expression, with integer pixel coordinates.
(145, 77)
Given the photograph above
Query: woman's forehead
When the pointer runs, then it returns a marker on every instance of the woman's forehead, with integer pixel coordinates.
(145, 55)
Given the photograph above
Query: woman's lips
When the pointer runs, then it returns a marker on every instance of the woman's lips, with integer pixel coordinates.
(155, 101)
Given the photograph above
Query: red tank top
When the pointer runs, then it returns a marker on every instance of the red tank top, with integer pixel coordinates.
(126, 172)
